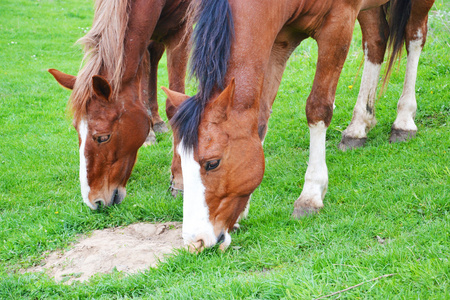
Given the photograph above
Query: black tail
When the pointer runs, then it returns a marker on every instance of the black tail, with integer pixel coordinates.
(398, 16)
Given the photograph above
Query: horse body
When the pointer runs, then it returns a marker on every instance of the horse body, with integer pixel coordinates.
(115, 89)
(219, 133)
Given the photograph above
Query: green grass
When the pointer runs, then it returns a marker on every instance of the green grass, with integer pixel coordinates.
(399, 192)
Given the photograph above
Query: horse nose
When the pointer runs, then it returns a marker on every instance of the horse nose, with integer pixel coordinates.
(221, 238)
(116, 197)
(99, 202)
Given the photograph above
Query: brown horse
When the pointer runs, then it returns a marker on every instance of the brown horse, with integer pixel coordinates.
(376, 29)
(239, 55)
(116, 87)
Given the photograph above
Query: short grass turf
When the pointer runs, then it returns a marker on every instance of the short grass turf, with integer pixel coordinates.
(396, 192)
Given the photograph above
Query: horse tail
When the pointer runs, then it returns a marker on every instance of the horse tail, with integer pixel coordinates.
(398, 17)
(211, 48)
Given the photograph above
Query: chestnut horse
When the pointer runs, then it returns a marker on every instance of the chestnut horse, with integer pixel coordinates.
(239, 55)
(114, 90)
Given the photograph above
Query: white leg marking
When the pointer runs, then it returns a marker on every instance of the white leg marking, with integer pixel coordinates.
(364, 112)
(316, 177)
(407, 105)
(85, 189)
(196, 223)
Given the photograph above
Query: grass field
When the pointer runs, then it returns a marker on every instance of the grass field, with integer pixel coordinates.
(398, 192)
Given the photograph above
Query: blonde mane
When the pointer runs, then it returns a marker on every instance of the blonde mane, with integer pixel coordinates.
(103, 52)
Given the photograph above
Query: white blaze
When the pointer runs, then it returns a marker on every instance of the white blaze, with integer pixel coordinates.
(196, 223)
(83, 131)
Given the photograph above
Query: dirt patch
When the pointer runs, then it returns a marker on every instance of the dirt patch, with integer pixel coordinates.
(129, 249)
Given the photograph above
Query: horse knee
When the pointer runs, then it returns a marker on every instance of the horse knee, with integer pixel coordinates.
(319, 111)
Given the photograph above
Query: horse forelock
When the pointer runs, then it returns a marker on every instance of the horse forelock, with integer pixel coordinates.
(187, 120)
(211, 49)
(104, 52)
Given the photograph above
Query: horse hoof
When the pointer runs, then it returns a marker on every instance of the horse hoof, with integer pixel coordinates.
(160, 127)
(175, 192)
(300, 212)
(150, 140)
(349, 143)
(399, 135)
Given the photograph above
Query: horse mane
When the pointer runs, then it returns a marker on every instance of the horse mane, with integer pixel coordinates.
(103, 52)
(399, 12)
(211, 48)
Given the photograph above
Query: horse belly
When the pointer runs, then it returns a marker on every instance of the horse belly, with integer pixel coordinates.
(368, 4)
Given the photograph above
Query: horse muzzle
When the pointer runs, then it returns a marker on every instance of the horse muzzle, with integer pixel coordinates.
(116, 197)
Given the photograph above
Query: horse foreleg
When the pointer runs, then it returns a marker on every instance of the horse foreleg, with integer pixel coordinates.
(375, 32)
(404, 127)
(156, 51)
(177, 56)
(333, 43)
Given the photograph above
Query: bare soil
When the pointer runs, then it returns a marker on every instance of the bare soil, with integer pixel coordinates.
(129, 249)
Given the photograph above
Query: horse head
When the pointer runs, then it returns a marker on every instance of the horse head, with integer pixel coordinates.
(111, 129)
(220, 172)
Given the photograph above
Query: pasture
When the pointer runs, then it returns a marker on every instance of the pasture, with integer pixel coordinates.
(387, 210)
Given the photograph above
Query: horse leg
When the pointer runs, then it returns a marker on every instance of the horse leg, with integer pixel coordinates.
(177, 56)
(404, 127)
(375, 33)
(333, 44)
(156, 51)
(281, 51)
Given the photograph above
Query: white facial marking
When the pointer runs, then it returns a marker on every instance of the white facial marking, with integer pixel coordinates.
(316, 177)
(407, 105)
(364, 112)
(196, 223)
(83, 131)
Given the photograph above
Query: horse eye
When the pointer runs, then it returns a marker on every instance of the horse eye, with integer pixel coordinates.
(212, 164)
(102, 138)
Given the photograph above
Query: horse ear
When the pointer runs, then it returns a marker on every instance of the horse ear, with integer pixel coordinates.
(101, 87)
(66, 80)
(223, 104)
(174, 100)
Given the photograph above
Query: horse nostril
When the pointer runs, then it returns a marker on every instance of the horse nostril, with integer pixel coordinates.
(99, 203)
(116, 197)
(221, 238)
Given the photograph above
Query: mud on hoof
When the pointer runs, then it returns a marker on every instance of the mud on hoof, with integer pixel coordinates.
(151, 139)
(160, 127)
(399, 135)
(300, 212)
(349, 143)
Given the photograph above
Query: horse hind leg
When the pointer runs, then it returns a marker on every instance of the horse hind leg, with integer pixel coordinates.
(404, 127)
(375, 32)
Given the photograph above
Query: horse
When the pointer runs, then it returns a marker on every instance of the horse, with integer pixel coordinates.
(115, 90)
(376, 29)
(240, 50)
